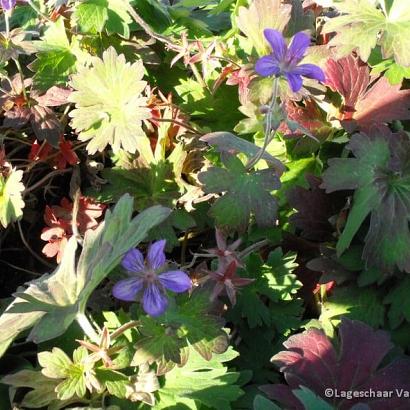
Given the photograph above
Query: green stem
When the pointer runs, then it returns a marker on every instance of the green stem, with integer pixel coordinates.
(87, 327)
(269, 132)
(6, 19)
(198, 76)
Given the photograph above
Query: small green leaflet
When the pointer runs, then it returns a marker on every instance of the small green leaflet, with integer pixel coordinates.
(380, 176)
(74, 373)
(52, 302)
(200, 381)
(363, 25)
(11, 200)
(77, 376)
(168, 343)
(394, 72)
(109, 108)
(245, 194)
(56, 57)
(93, 16)
(90, 16)
(275, 281)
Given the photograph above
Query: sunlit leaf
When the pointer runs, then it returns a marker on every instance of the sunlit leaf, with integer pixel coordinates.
(259, 15)
(245, 194)
(207, 382)
(11, 200)
(109, 108)
(363, 25)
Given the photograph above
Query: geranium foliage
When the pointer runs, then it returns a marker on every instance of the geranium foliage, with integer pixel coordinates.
(109, 105)
(312, 361)
(189, 187)
(379, 175)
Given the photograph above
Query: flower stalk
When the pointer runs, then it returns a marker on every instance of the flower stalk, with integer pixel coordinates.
(269, 131)
(87, 327)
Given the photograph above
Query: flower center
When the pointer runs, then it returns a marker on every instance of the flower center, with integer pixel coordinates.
(150, 276)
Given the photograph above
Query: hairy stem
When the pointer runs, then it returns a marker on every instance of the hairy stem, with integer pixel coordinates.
(87, 327)
(269, 132)
(140, 21)
(6, 19)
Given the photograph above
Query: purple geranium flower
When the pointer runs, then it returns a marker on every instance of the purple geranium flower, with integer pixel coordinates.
(150, 279)
(284, 60)
(7, 4)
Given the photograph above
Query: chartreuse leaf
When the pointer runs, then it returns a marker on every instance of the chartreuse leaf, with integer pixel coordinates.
(56, 58)
(207, 382)
(394, 72)
(90, 16)
(76, 374)
(167, 343)
(363, 25)
(245, 194)
(109, 108)
(93, 16)
(52, 302)
(275, 281)
(262, 14)
(11, 200)
(380, 176)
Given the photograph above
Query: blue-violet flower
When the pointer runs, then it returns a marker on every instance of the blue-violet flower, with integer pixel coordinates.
(7, 4)
(284, 60)
(150, 279)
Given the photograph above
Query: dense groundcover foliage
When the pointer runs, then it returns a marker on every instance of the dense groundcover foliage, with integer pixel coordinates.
(205, 204)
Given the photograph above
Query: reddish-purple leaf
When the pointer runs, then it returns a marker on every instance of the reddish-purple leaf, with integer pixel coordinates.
(314, 207)
(46, 125)
(312, 361)
(309, 117)
(367, 105)
(53, 97)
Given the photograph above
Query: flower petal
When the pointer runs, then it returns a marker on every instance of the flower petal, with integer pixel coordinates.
(127, 289)
(176, 280)
(7, 4)
(295, 81)
(154, 301)
(267, 66)
(277, 43)
(156, 256)
(310, 71)
(133, 261)
(298, 47)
